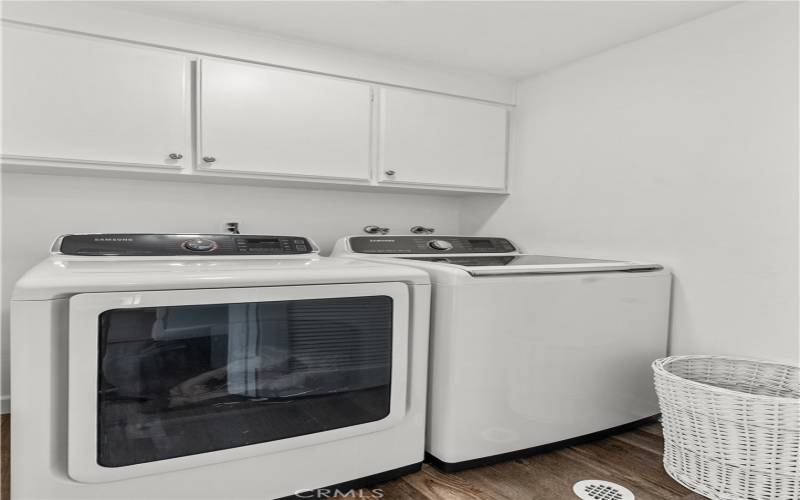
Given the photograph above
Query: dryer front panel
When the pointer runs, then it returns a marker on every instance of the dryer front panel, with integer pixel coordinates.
(166, 380)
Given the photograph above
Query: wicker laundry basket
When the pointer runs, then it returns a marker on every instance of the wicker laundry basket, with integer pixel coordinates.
(731, 426)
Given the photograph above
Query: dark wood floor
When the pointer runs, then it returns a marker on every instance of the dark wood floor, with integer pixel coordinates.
(5, 455)
(632, 459)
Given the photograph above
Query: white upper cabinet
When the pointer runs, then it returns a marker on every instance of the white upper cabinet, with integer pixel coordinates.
(435, 140)
(71, 99)
(262, 120)
(80, 101)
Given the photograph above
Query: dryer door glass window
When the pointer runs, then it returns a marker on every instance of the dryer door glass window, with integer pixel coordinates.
(182, 380)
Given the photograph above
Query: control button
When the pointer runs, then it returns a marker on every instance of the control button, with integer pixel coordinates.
(301, 248)
(440, 245)
(199, 245)
(300, 242)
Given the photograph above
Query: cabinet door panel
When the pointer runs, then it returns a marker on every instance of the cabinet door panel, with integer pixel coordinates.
(270, 121)
(71, 98)
(439, 140)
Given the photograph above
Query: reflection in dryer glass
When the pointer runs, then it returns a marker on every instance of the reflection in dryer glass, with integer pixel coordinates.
(182, 380)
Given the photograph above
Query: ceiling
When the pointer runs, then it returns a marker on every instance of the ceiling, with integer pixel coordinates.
(509, 39)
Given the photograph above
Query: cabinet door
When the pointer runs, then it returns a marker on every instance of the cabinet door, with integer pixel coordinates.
(263, 120)
(75, 99)
(438, 140)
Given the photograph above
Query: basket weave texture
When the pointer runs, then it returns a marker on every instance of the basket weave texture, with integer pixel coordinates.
(731, 426)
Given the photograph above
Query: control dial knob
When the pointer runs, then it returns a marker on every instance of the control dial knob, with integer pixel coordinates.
(440, 245)
(199, 245)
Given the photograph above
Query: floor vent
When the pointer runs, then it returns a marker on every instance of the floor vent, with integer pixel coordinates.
(594, 489)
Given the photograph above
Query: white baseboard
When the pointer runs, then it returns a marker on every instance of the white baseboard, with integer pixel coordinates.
(5, 404)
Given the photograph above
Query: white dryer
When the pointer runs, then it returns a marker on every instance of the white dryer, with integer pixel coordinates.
(529, 352)
(213, 366)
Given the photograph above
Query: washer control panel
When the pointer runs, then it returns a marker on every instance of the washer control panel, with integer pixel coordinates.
(157, 245)
(429, 245)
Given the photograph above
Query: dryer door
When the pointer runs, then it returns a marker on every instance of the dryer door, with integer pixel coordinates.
(167, 380)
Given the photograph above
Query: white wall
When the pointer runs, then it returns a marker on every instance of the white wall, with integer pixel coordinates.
(680, 148)
(37, 208)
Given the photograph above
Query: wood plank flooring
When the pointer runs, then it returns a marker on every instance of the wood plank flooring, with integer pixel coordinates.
(632, 459)
(5, 455)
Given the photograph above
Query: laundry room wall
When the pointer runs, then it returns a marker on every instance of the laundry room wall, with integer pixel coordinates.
(37, 208)
(680, 148)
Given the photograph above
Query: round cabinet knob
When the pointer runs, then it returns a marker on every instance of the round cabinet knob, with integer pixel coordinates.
(199, 245)
(209, 159)
(390, 172)
(440, 245)
(175, 156)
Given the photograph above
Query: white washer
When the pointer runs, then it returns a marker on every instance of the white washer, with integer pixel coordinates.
(529, 352)
(213, 366)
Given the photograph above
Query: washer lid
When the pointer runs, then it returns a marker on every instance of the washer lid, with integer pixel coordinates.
(490, 265)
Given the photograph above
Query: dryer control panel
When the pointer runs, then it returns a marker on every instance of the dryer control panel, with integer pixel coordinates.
(429, 244)
(158, 245)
